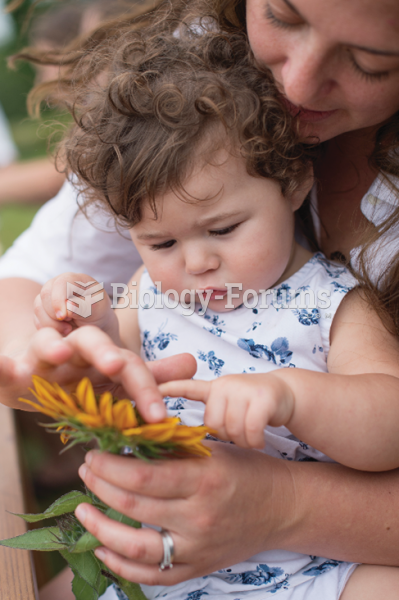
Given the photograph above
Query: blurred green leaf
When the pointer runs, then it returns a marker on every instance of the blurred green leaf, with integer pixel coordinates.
(64, 504)
(45, 540)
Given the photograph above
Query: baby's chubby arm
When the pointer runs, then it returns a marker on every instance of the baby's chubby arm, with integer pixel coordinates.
(350, 413)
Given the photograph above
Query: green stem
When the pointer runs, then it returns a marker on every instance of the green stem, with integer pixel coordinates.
(132, 590)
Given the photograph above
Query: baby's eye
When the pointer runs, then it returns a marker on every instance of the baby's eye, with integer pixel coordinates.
(224, 231)
(167, 244)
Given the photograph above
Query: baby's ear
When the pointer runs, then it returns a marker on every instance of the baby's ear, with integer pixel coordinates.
(298, 196)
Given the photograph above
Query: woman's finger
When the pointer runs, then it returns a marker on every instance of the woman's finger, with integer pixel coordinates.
(142, 573)
(163, 479)
(143, 545)
(47, 347)
(145, 509)
(123, 367)
(194, 390)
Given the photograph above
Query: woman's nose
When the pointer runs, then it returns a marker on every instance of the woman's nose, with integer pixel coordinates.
(307, 76)
(199, 260)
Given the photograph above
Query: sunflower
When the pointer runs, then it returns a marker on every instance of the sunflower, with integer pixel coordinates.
(115, 424)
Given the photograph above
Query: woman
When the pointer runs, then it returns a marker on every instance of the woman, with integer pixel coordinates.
(337, 66)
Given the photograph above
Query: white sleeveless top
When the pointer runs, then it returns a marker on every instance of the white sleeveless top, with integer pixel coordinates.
(256, 340)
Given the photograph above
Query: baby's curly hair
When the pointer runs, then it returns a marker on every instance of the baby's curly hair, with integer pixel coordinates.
(167, 95)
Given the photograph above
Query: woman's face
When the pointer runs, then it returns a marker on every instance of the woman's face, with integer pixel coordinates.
(336, 62)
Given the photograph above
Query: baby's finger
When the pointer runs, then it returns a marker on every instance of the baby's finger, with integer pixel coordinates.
(257, 418)
(55, 295)
(180, 366)
(42, 319)
(236, 410)
(194, 390)
(215, 411)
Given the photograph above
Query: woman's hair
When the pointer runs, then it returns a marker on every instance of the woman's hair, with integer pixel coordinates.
(173, 99)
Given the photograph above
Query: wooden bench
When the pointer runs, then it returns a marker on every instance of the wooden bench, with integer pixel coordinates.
(17, 573)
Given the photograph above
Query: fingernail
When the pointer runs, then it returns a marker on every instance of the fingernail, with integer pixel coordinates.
(157, 411)
(100, 553)
(89, 458)
(60, 315)
(82, 471)
(81, 513)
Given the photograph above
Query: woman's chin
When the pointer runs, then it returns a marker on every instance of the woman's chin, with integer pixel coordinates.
(324, 129)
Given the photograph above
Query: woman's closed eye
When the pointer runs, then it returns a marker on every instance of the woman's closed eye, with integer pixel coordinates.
(224, 231)
(164, 245)
(367, 75)
(284, 18)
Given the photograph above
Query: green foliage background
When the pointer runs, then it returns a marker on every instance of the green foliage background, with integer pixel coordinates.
(29, 135)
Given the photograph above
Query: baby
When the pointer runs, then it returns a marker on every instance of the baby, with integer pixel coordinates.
(190, 148)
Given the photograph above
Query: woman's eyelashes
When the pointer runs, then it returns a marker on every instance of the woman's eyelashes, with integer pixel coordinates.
(378, 76)
(291, 21)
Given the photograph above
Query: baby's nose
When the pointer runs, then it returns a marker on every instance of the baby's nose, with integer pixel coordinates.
(200, 261)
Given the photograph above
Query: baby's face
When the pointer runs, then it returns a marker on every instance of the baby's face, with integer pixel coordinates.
(238, 229)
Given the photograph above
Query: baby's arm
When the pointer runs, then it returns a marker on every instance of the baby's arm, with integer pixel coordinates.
(351, 413)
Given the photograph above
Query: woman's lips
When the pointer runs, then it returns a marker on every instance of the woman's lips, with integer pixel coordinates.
(304, 114)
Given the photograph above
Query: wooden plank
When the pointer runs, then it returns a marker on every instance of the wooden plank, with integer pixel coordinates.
(17, 578)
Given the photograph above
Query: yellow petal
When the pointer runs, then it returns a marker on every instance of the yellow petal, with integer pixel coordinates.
(47, 399)
(130, 416)
(86, 397)
(64, 437)
(158, 432)
(198, 450)
(45, 411)
(90, 420)
(106, 403)
(66, 398)
(123, 414)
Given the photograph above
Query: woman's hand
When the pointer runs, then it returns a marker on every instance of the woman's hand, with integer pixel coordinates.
(218, 510)
(224, 509)
(88, 351)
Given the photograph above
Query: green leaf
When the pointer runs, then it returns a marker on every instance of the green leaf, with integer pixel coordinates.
(132, 590)
(86, 565)
(117, 516)
(46, 540)
(85, 543)
(65, 504)
(82, 590)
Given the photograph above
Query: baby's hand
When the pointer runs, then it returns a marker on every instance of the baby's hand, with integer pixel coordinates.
(57, 309)
(239, 406)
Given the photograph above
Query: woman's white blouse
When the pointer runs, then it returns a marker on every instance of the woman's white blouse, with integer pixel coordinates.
(62, 239)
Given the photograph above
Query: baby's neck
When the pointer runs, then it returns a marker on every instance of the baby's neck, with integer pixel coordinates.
(299, 257)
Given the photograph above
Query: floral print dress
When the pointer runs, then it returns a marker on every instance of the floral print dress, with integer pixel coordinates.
(285, 334)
